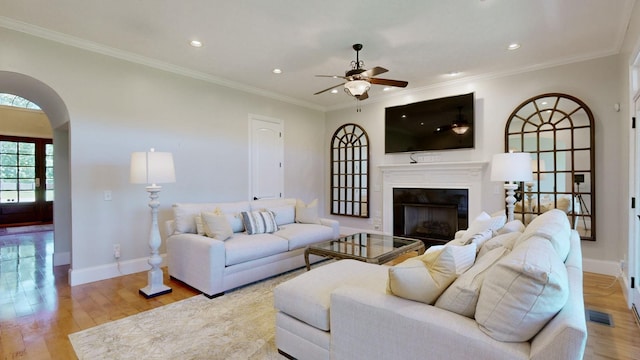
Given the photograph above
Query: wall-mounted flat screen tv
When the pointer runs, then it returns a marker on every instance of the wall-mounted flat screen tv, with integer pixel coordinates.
(437, 124)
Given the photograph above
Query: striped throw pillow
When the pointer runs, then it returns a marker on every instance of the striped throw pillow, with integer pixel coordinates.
(259, 222)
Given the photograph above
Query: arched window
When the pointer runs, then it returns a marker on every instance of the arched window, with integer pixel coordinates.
(349, 171)
(558, 131)
(17, 101)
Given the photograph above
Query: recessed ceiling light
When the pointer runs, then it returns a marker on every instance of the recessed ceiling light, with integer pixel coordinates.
(513, 46)
(387, 88)
(334, 91)
(277, 71)
(195, 43)
(453, 73)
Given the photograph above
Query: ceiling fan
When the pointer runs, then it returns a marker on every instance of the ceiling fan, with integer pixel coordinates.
(359, 80)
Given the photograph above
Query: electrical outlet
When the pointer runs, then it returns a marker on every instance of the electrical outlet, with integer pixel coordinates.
(116, 251)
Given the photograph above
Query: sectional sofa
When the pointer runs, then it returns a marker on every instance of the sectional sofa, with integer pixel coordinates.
(520, 297)
(215, 247)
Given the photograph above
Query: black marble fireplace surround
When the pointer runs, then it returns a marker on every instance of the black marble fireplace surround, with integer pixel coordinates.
(431, 215)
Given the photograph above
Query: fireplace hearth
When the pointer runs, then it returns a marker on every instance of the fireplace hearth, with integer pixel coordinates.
(431, 215)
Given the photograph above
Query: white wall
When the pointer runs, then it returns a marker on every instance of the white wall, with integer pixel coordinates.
(596, 82)
(116, 107)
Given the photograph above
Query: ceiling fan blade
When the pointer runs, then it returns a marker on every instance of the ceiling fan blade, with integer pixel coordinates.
(334, 86)
(374, 71)
(388, 82)
(332, 76)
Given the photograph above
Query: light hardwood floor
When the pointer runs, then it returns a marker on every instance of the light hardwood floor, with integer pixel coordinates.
(38, 309)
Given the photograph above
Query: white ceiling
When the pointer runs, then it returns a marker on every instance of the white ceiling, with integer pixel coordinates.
(419, 41)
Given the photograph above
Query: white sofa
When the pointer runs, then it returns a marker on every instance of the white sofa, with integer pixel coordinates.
(344, 310)
(214, 266)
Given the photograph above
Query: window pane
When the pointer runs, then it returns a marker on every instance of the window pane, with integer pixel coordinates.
(8, 147)
(8, 160)
(49, 195)
(8, 172)
(27, 196)
(8, 196)
(27, 148)
(8, 184)
(27, 172)
(48, 149)
(26, 160)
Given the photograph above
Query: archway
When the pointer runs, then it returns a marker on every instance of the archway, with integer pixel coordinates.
(55, 109)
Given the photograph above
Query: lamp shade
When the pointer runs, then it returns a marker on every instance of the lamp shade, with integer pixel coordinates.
(357, 87)
(511, 167)
(152, 168)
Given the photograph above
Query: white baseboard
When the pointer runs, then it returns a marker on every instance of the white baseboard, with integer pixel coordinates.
(61, 258)
(611, 268)
(108, 271)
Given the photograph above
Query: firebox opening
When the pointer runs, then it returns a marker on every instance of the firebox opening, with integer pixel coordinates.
(431, 215)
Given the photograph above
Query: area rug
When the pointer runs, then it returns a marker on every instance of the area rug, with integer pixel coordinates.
(238, 325)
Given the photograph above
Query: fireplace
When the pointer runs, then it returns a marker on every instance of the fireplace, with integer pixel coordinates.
(456, 177)
(431, 215)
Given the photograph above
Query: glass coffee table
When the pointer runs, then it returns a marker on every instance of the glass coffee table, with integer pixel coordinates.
(371, 248)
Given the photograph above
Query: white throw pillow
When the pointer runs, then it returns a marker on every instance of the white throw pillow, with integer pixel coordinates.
(424, 278)
(511, 226)
(215, 225)
(307, 214)
(464, 256)
(480, 238)
(462, 296)
(482, 223)
(507, 241)
(522, 292)
(259, 222)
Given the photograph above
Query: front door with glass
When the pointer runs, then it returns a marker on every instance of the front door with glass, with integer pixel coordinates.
(26, 180)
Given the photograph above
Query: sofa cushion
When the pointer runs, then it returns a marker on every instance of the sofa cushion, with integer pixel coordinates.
(307, 297)
(522, 292)
(301, 235)
(216, 225)
(307, 213)
(284, 214)
(424, 278)
(242, 247)
(461, 296)
(552, 225)
(259, 222)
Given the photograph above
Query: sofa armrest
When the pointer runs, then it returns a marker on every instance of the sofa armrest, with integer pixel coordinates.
(333, 224)
(565, 336)
(169, 227)
(368, 324)
(198, 261)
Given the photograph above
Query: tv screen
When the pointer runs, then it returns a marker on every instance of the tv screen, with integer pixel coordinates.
(438, 124)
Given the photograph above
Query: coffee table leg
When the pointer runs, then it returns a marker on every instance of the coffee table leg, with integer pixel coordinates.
(306, 258)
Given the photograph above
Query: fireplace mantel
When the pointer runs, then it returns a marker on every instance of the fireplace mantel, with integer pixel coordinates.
(442, 175)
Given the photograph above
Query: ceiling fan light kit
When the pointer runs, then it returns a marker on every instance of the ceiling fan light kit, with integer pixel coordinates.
(358, 80)
(357, 87)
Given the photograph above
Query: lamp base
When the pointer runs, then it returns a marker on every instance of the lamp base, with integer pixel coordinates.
(148, 292)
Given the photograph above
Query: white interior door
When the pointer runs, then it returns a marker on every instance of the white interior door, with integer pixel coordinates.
(633, 267)
(266, 158)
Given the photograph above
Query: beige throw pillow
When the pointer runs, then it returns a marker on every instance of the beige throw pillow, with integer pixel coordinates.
(424, 278)
(522, 292)
(216, 225)
(462, 296)
(307, 214)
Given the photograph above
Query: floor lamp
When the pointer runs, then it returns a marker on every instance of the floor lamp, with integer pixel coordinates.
(153, 168)
(511, 168)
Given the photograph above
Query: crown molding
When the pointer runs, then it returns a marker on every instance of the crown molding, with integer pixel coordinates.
(69, 40)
